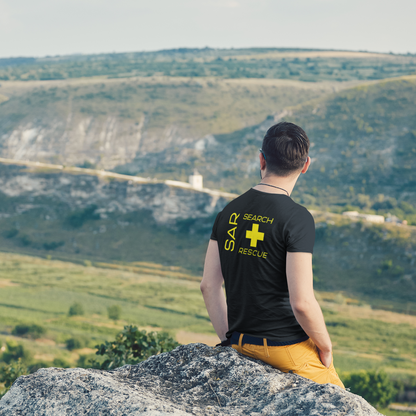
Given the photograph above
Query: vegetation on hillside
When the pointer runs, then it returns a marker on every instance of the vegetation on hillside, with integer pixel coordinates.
(358, 257)
(303, 65)
(186, 107)
(39, 292)
(363, 144)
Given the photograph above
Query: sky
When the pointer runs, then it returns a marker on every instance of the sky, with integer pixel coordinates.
(61, 27)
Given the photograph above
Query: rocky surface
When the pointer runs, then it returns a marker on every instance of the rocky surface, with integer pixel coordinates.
(191, 380)
(37, 186)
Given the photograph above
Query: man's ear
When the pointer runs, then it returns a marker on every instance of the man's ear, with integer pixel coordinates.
(262, 161)
(306, 165)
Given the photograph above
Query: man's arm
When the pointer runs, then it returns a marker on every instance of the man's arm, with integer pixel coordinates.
(212, 291)
(305, 307)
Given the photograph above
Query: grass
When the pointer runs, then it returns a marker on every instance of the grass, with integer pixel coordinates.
(370, 262)
(40, 291)
(192, 108)
(390, 412)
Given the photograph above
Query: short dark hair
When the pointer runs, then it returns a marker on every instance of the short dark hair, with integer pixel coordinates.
(286, 148)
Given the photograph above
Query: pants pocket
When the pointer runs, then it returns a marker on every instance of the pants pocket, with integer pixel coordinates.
(303, 353)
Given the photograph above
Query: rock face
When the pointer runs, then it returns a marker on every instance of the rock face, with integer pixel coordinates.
(193, 379)
(39, 186)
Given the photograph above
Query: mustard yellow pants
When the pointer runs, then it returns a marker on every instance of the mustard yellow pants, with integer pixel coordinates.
(302, 359)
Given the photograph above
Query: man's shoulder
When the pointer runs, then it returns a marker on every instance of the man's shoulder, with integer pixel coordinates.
(239, 200)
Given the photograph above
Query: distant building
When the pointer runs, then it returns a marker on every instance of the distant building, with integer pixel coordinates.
(367, 217)
(393, 219)
(196, 180)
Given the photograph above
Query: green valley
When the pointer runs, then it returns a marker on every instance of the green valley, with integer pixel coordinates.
(41, 291)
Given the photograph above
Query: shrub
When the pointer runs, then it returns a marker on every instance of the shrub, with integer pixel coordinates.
(60, 363)
(114, 312)
(14, 352)
(32, 368)
(29, 331)
(77, 219)
(53, 245)
(9, 373)
(75, 343)
(26, 240)
(11, 233)
(132, 346)
(76, 309)
(374, 386)
(85, 361)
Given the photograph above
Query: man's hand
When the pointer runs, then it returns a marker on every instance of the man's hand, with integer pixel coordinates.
(326, 358)
(304, 305)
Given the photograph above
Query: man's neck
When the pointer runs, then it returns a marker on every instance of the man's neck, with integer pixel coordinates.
(286, 183)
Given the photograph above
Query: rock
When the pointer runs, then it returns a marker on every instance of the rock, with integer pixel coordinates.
(44, 188)
(193, 379)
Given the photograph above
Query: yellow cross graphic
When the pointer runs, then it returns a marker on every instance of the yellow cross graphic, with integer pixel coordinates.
(254, 235)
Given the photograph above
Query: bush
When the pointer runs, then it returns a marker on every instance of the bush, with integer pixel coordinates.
(14, 352)
(29, 331)
(60, 363)
(85, 361)
(32, 368)
(11, 233)
(76, 309)
(53, 245)
(374, 386)
(26, 240)
(75, 343)
(9, 373)
(132, 346)
(77, 219)
(114, 312)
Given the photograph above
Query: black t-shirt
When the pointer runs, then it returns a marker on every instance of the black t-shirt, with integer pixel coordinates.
(254, 233)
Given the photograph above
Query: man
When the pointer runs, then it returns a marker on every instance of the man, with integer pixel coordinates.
(261, 249)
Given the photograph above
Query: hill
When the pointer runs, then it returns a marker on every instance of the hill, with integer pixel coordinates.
(362, 131)
(40, 291)
(363, 144)
(308, 65)
(107, 123)
(81, 214)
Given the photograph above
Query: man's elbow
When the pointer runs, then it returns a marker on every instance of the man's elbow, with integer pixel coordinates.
(302, 306)
(208, 286)
(203, 287)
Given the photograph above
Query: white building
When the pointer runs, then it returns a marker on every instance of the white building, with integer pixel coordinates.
(196, 180)
(367, 217)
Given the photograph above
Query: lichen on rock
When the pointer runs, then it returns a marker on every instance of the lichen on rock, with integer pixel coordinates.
(193, 379)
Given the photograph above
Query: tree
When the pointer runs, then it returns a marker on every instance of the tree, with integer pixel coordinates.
(114, 312)
(132, 346)
(374, 386)
(76, 309)
(29, 331)
(75, 343)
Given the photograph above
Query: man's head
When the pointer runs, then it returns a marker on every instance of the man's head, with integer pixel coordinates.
(285, 148)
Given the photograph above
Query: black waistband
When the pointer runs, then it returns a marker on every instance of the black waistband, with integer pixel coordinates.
(249, 339)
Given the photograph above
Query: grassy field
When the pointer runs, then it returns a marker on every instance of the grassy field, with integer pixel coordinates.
(41, 291)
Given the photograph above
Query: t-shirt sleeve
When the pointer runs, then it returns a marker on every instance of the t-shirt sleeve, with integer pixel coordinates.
(214, 228)
(300, 232)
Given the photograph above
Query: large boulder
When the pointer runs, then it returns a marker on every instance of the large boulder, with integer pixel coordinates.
(192, 379)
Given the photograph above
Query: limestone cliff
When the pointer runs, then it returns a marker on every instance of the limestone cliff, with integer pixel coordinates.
(40, 184)
(191, 380)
